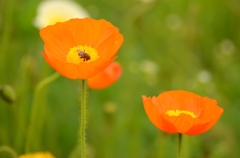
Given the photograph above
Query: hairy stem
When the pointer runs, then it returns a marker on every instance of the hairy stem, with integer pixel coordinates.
(83, 112)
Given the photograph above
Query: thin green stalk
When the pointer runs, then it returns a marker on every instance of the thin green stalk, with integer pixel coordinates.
(83, 112)
(180, 142)
(36, 108)
(8, 150)
(6, 29)
(22, 90)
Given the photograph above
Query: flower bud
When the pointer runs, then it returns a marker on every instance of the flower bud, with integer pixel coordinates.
(7, 93)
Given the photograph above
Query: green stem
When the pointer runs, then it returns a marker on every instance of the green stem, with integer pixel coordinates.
(83, 112)
(8, 150)
(179, 154)
(35, 109)
(7, 29)
(22, 109)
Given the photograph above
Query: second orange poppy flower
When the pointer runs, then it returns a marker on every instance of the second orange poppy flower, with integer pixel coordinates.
(182, 112)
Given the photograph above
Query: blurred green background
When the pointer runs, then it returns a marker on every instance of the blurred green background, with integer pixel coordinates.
(169, 44)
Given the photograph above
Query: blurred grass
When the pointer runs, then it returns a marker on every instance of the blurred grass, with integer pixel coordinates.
(182, 38)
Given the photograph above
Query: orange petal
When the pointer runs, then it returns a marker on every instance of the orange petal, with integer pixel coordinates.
(182, 123)
(107, 77)
(155, 117)
(180, 100)
(205, 123)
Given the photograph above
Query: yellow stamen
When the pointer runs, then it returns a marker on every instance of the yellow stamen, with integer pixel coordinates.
(178, 112)
(73, 54)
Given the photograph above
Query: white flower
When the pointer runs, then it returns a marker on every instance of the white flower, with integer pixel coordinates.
(50, 12)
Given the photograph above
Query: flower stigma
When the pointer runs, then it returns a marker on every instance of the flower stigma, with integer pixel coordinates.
(81, 53)
(178, 112)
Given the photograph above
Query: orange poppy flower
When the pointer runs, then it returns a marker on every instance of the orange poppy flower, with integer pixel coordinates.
(183, 112)
(80, 48)
(107, 77)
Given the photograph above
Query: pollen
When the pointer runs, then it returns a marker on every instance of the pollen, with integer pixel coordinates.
(178, 112)
(73, 54)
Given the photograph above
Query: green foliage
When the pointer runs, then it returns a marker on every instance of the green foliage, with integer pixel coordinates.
(186, 44)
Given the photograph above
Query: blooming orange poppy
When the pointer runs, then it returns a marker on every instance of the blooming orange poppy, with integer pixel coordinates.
(107, 77)
(183, 112)
(80, 48)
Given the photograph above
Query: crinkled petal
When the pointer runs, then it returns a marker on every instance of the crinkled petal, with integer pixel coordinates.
(155, 117)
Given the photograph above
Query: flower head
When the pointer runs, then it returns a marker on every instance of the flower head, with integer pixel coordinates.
(183, 112)
(37, 155)
(80, 48)
(50, 12)
(107, 77)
